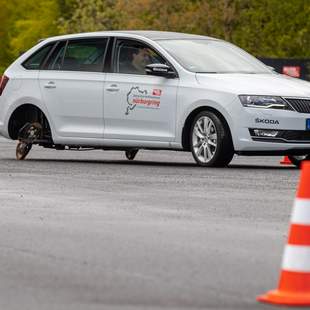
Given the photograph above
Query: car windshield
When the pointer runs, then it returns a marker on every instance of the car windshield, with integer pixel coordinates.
(213, 56)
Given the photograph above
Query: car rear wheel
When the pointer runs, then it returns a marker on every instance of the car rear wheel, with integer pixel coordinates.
(27, 135)
(22, 150)
(297, 160)
(210, 141)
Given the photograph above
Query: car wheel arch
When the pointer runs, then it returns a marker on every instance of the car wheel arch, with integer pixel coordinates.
(191, 116)
(26, 112)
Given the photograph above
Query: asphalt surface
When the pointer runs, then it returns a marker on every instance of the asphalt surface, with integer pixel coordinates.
(91, 230)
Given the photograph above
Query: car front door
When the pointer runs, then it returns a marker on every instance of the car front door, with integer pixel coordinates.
(72, 85)
(138, 106)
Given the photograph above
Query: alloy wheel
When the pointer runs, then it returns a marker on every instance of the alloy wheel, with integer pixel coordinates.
(204, 139)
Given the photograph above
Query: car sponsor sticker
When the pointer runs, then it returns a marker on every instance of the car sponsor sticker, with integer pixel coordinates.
(143, 99)
(293, 71)
(156, 92)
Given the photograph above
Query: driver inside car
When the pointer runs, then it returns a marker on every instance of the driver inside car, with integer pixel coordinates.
(141, 59)
(137, 59)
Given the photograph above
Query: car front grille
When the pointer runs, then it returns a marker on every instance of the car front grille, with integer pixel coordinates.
(294, 135)
(300, 105)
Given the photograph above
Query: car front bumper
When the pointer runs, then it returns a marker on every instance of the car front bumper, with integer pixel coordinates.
(290, 127)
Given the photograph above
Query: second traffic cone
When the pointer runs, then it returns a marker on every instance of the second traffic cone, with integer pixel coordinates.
(285, 161)
(294, 284)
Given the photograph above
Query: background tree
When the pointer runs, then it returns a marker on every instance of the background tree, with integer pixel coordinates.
(158, 15)
(25, 23)
(4, 39)
(89, 15)
(269, 28)
(274, 28)
(31, 21)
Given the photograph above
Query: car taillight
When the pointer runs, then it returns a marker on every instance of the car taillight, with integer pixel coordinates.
(3, 81)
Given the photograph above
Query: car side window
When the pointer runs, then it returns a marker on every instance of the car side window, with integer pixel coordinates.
(35, 61)
(131, 57)
(79, 55)
(56, 60)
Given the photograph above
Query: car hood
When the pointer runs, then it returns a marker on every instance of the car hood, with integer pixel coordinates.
(255, 84)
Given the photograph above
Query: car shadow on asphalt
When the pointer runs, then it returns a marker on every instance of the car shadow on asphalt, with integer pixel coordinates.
(152, 163)
(112, 162)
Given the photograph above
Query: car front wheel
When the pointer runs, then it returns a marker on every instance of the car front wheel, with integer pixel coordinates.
(210, 141)
(297, 160)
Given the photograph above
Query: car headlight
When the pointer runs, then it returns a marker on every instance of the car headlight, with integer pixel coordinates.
(265, 102)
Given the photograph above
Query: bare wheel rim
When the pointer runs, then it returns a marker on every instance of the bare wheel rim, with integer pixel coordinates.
(204, 139)
(22, 150)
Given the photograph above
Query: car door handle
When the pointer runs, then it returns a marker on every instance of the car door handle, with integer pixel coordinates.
(113, 88)
(50, 85)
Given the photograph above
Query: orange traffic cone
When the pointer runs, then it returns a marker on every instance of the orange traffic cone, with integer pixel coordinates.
(285, 161)
(294, 284)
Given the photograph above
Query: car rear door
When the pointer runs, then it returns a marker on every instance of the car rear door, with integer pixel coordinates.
(137, 106)
(72, 87)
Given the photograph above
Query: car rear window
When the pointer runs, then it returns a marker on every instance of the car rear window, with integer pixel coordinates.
(79, 55)
(35, 61)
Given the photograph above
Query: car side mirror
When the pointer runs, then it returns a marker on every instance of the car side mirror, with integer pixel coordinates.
(160, 70)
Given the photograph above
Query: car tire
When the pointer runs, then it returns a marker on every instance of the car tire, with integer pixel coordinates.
(131, 154)
(210, 140)
(297, 160)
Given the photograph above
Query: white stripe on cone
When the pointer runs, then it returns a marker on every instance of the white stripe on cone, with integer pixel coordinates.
(301, 212)
(296, 258)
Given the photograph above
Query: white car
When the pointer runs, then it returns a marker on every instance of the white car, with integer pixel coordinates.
(131, 90)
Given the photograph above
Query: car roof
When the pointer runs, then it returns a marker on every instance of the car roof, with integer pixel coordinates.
(152, 35)
(162, 35)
